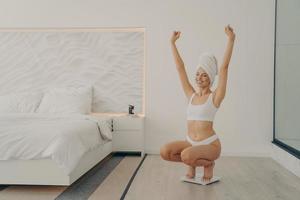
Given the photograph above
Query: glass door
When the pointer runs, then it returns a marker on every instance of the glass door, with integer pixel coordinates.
(287, 76)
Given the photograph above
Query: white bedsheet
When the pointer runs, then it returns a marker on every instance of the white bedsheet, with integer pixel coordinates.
(64, 138)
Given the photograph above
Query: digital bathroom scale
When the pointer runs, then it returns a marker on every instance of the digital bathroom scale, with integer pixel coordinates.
(198, 179)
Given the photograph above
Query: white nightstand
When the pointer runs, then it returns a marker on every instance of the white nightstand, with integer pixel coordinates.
(128, 134)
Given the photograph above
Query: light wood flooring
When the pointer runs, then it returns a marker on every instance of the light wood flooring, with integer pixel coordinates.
(242, 178)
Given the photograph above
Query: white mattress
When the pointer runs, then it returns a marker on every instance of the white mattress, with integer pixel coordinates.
(63, 138)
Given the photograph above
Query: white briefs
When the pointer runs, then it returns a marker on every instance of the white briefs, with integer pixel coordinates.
(202, 142)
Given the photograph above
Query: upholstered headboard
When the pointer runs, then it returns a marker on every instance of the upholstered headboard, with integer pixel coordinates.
(111, 60)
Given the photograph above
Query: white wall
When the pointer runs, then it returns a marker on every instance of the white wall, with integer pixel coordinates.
(244, 122)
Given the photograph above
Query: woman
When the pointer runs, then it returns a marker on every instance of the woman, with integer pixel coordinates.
(202, 146)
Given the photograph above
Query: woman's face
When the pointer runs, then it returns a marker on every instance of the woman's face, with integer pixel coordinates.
(202, 79)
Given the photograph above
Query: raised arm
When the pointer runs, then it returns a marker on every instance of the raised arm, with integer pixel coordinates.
(223, 72)
(187, 87)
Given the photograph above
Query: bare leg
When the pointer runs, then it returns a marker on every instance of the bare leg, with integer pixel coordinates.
(202, 155)
(191, 172)
(200, 162)
(175, 157)
(208, 172)
(172, 151)
(203, 162)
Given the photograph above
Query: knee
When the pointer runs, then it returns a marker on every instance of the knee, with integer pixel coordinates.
(165, 153)
(186, 157)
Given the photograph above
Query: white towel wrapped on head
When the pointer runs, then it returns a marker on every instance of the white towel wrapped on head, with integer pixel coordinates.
(208, 63)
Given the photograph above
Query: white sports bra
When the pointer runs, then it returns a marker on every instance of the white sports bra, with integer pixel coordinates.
(203, 112)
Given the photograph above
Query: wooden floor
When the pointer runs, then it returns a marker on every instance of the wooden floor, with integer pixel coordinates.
(242, 178)
(110, 189)
(113, 186)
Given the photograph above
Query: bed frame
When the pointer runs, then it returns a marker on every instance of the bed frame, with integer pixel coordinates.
(47, 172)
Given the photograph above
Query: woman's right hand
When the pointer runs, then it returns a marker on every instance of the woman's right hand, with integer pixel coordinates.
(175, 36)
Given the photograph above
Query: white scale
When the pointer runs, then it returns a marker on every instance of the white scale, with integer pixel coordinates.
(198, 179)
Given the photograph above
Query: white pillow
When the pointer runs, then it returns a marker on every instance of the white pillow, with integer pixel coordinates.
(23, 102)
(67, 100)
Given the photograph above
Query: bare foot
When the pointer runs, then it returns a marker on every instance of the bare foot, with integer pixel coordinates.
(191, 172)
(208, 172)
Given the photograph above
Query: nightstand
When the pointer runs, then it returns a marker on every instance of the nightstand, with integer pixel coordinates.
(128, 134)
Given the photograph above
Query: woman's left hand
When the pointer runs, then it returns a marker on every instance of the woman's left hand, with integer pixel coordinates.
(229, 32)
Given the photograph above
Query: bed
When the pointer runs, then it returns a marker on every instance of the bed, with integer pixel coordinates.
(51, 140)
(43, 149)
